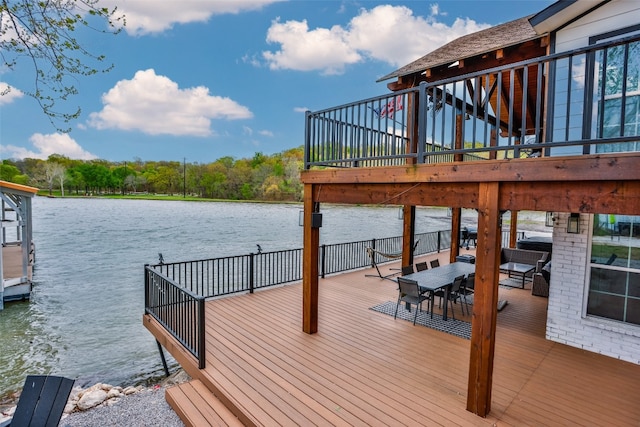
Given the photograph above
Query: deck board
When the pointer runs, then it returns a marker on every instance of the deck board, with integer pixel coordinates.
(365, 368)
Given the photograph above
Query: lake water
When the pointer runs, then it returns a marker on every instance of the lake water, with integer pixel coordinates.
(84, 319)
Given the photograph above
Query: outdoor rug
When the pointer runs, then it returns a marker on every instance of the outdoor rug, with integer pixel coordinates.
(451, 326)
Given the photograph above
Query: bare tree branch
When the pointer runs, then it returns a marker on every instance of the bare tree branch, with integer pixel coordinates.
(40, 35)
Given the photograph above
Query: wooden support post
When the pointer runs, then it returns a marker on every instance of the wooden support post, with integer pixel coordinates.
(513, 229)
(311, 242)
(458, 141)
(493, 142)
(409, 211)
(456, 213)
(408, 233)
(456, 218)
(485, 313)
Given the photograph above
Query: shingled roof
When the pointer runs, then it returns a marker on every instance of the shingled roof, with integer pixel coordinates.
(498, 37)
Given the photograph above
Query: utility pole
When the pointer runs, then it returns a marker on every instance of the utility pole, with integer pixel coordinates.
(184, 177)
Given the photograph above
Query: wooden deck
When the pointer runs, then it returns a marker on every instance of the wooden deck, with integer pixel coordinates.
(364, 368)
(12, 262)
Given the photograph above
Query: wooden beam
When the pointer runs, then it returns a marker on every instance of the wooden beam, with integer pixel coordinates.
(458, 104)
(544, 41)
(622, 197)
(458, 137)
(568, 196)
(456, 215)
(408, 233)
(527, 50)
(311, 242)
(601, 167)
(513, 229)
(483, 321)
(420, 194)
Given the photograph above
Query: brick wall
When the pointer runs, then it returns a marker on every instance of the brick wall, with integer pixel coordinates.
(566, 320)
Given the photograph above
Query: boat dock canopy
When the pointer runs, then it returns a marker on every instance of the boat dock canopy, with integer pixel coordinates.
(17, 255)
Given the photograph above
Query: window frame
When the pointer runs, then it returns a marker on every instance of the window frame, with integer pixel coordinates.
(590, 82)
(603, 267)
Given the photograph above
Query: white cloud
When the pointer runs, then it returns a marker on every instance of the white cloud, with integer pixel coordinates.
(145, 16)
(247, 131)
(252, 60)
(46, 145)
(386, 33)
(305, 50)
(301, 109)
(8, 93)
(155, 105)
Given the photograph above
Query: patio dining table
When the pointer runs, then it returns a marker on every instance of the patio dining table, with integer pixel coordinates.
(441, 277)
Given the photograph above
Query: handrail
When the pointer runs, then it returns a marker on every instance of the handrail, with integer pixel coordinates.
(516, 110)
(175, 293)
(178, 310)
(216, 277)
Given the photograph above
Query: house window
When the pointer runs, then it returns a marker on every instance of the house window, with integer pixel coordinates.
(614, 283)
(616, 93)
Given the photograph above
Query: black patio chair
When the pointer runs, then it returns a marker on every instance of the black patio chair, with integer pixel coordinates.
(466, 289)
(421, 266)
(42, 401)
(407, 269)
(435, 263)
(454, 294)
(409, 293)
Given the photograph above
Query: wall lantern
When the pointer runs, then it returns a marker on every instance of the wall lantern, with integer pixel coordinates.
(573, 223)
(549, 219)
(316, 219)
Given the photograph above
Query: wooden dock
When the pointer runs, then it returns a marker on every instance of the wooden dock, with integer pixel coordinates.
(364, 368)
(17, 285)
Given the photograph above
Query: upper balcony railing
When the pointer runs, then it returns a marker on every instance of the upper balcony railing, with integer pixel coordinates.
(560, 104)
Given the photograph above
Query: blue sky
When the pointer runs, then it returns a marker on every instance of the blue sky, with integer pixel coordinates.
(199, 80)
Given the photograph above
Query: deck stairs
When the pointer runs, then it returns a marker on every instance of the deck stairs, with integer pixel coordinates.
(196, 405)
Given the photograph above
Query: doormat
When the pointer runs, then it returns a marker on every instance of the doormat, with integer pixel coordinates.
(451, 326)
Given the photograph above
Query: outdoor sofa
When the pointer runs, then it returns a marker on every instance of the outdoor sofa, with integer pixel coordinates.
(525, 256)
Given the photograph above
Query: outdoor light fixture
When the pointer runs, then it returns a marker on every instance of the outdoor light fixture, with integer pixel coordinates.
(573, 223)
(316, 219)
(549, 219)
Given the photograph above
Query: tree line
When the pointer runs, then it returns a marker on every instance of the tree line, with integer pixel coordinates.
(263, 177)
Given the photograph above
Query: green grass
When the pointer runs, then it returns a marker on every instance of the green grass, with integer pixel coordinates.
(45, 193)
(605, 251)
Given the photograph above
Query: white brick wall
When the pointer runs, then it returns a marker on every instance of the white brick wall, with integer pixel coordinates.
(566, 320)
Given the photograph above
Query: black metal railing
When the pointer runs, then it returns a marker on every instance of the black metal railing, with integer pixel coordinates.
(178, 310)
(216, 277)
(579, 97)
(175, 292)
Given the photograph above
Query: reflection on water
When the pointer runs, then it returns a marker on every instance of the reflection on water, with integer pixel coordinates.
(85, 317)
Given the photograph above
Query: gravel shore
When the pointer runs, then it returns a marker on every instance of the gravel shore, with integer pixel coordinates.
(145, 408)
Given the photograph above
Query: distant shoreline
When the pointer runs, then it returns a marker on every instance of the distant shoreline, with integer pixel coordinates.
(163, 197)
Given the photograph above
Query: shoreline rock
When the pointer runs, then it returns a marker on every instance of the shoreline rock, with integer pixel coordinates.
(102, 395)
